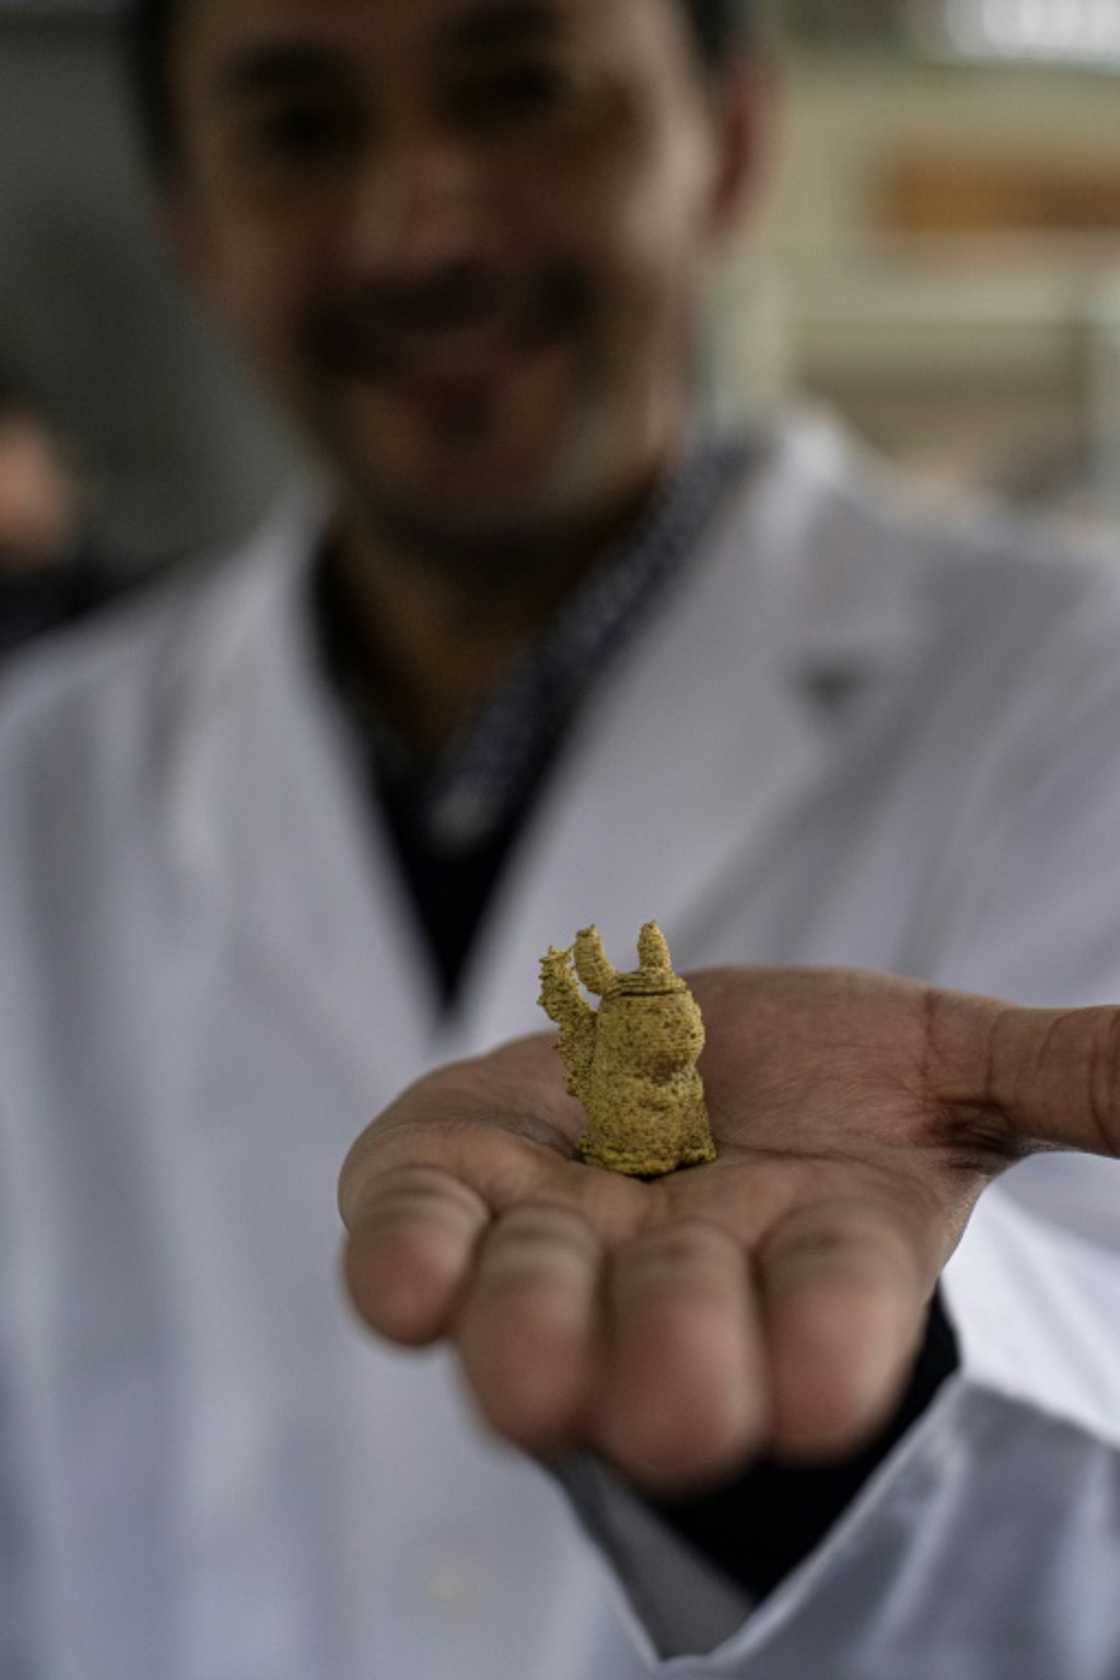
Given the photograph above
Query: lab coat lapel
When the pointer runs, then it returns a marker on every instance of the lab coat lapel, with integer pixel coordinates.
(679, 768)
(300, 865)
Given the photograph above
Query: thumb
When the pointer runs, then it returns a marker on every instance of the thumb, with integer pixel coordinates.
(1051, 1075)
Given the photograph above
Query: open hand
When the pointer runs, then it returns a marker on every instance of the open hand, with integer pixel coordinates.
(772, 1301)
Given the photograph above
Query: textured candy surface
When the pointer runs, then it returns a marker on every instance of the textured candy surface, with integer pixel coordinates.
(631, 1062)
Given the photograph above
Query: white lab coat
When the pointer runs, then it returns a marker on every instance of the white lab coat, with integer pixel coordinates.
(209, 980)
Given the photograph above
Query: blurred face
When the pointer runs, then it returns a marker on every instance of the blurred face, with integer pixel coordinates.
(462, 238)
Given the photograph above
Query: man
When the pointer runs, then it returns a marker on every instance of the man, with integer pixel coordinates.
(540, 650)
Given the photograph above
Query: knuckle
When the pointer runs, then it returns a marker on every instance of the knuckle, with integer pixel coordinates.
(535, 1244)
(685, 1239)
(685, 1255)
(549, 1223)
(404, 1192)
(809, 1245)
(839, 1245)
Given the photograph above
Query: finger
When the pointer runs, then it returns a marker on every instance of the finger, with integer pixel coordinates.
(410, 1251)
(1055, 1075)
(526, 1326)
(843, 1300)
(684, 1397)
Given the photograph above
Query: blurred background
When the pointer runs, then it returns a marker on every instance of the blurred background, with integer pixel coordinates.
(939, 261)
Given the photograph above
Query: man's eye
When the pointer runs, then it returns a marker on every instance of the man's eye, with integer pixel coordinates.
(302, 134)
(523, 89)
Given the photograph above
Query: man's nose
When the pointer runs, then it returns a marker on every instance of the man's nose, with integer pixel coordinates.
(420, 201)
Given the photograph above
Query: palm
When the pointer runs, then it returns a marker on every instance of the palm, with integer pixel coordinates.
(772, 1299)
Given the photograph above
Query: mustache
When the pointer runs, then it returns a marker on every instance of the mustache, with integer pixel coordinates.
(371, 328)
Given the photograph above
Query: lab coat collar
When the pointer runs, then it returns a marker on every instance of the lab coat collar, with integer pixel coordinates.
(704, 735)
(683, 760)
(710, 728)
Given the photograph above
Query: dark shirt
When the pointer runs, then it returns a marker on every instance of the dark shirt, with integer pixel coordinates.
(456, 822)
(456, 816)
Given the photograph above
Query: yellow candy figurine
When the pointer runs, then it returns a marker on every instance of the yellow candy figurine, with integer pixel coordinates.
(632, 1062)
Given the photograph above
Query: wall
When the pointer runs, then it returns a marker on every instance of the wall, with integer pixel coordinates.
(982, 358)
